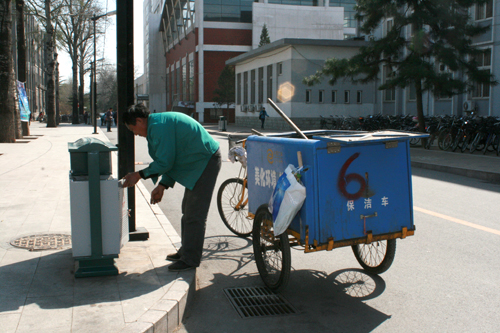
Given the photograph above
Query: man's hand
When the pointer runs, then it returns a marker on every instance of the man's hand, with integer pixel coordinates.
(131, 179)
(157, 194)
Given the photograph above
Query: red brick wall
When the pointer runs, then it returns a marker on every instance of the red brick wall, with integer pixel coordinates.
(214, 64)
(180, 50)
(227, 37)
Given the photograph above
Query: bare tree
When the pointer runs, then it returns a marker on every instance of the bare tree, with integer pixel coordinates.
(74, 27)
(48, 11)
(7, 109)
(84, 59)
(108, 88)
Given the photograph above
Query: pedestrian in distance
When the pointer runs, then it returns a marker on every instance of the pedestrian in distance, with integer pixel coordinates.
(183, 152)
(85, 117)
(109, 118)
(115, 117)
(103, 119)
(262, 116)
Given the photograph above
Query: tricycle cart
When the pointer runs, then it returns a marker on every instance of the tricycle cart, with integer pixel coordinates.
(358, 194)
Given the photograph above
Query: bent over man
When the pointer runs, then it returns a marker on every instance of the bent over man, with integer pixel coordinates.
(182, 152)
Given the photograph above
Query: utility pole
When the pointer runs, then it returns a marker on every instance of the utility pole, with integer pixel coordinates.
(125, 76)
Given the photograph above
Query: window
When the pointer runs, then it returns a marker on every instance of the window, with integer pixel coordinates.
(484, 11)
(349, 12)
(167, 79)
(260, 99)
(482, 90)
(388, 26)
(270, 81)
(412, 92)
(347, 96)
(184, 83)
(215, 113)
(191, 80)
(442, 69)
(227, 10)
(321, 97)
(308, 96)
(359, 97)
(334, 96)
(252, 86)
(179, 80)
(280, 68)
(238, 89)
(389, 94)
(245, 88)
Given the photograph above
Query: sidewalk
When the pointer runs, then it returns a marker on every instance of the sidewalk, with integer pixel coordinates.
(477, 165)
(38, 291)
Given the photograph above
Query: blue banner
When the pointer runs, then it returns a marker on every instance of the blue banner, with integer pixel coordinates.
(23, 102)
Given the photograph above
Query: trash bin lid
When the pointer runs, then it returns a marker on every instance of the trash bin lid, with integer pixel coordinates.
(90, 144)
(373, 136)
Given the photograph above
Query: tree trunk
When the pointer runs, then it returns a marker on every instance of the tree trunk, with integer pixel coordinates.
(58, 113)
(50, 104)
(420, 110)
(21, 54)
(76, 119)
(80, 89)
(7, 130)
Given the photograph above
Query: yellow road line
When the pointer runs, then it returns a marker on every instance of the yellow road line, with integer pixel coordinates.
(452, 219)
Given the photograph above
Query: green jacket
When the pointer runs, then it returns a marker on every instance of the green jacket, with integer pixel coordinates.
(180, 148)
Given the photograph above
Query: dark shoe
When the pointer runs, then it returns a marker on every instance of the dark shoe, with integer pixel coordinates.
(174, 257)
(180, 266)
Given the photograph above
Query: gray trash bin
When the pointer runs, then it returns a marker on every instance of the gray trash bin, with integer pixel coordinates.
(99, 219)
(222, 123)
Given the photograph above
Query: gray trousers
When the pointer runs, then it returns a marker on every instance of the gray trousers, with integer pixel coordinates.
(195, 205)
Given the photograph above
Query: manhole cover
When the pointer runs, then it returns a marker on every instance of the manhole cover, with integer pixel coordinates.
(42, 242)
(258, 302)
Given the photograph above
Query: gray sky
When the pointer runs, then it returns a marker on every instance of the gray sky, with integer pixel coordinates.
(107, 47)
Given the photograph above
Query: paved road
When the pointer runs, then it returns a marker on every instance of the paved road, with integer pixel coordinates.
(443, 279)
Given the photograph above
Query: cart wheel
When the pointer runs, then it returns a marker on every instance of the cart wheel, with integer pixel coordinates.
(376, 257)
(233, 208)
(272, 254)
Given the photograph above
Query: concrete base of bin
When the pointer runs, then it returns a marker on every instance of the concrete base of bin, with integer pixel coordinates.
(95, 267)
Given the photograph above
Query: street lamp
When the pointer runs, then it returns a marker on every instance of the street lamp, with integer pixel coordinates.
(94, 90)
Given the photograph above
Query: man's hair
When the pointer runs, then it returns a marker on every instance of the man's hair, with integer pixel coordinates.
(134, 112)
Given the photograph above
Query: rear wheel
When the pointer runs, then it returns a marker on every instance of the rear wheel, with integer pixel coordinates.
(475, 142)
(232, 203)
(375, 257)
(466, 142)
(272, 253)
(414, 141)
(447, 141)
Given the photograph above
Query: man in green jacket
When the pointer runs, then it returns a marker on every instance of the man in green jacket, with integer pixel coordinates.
(182, 152)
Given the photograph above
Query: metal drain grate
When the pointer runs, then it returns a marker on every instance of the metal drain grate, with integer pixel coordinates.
(258, 302)
(43, 242)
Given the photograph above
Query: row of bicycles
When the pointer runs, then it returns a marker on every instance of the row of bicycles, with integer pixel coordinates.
(452, 133)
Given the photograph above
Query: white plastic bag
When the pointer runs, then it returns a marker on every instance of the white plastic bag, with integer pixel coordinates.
(238, 153)
(287, 199)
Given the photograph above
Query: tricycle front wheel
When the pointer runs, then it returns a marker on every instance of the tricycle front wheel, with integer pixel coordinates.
(375, 257)
(272, 253)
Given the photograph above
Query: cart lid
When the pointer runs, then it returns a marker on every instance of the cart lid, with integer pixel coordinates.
(372, 136)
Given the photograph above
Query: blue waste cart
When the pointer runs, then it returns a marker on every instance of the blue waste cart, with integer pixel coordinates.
(358, 193)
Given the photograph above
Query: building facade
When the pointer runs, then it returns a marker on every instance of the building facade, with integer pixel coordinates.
(197, 37)
(277, 70)
(190, 42)
(35, 76)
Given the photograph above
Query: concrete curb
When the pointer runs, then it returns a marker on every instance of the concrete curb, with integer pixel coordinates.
(477, 174)
(167, 313)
